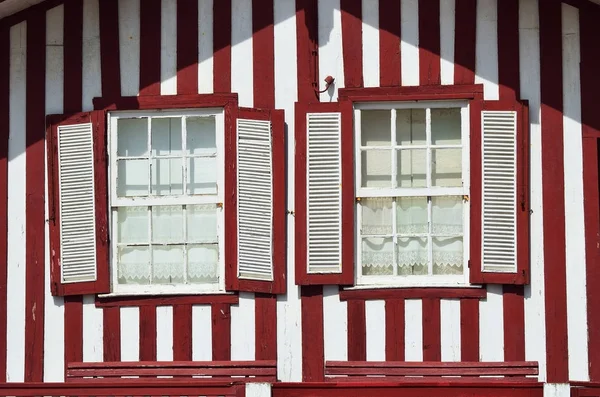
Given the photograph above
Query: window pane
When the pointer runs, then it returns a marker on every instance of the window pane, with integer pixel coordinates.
(412, 170)
(132, 137)
(377, 256)
(447, 215)
(410, 127)
(201, 135)
(375, 127)
(132, 225)
(445, 126)
(202, 263)
(447, 255)
(133, 265)
(446, 167)
(166, 136)
(412, 256)
(167, 177)
(376, 216)
(132, 178)
(202, 175)
(202, 223)
(167, 265)
(167, 224)
(376, 168)
(411, 215)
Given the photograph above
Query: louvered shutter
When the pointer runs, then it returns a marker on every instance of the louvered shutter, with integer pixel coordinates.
(78, 233)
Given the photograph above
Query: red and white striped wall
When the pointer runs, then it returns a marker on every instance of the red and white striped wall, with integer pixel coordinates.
(57, 56)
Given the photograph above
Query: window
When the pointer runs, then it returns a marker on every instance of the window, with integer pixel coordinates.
(412, 181)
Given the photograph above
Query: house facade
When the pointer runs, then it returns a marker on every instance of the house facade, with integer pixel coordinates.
(307, 182)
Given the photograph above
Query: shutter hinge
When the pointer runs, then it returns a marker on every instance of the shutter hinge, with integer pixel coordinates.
(290, 212)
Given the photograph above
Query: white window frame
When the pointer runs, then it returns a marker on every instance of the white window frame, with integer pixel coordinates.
(115, 202)
(412, 281)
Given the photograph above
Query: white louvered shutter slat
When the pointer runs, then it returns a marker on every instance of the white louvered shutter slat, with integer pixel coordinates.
(324, 192)
(499, 204)
(77, 209)
(255, 200)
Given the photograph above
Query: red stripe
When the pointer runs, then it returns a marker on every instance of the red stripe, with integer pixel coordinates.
(182, 332)
(352, 42)
(357, 331)
(307, 49)
(109, 48)
(222, 46)
(35, 265)
(464, 41)
(389, 43)
(4, 131)
(553, 192)
(221, 331)
(150, 22)
(266, 327)
(394, 330)
(73, 329)
(263, 53)
(311, 298)
(429, 43)
(469, 330)
(187, 47)
(73, 50)
(432, 350)
(111, 333)
(148, 333)
(514, 323)
(508, 49)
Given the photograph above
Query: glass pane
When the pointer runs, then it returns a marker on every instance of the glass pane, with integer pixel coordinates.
(202, 175)
(410, 127)
(202, 223)
(447, 215)
(377, 256)
(376, 168)
(132, 178)
(411, 215)
(132, 225)
(202, 263)
(167, 224)
(412, 169)
(201, 135)
(412, 256)
(376, 216)
(168, 267)
(132, 137)
(447, 255)
(375, 127)
(167, 176)
(446, 167)
(166, 136)
(445, 126)
(133, 264)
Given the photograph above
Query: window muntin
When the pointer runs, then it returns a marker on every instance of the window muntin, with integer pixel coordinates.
(412, 173)
(166, 195)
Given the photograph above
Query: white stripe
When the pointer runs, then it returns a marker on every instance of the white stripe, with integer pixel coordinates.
(129, 46)
(168, 47)
(486, 48)
(205, 46)
(242, 78)
(491, 325)
(243, 328)
(413, 330)
(164, 333)
(92, 82)
(409, 46)
(370, 42)
(447, 29)
(202, 332)
(130, 333)
(93, 330)
(375, 320)
(335, 324)
(574, 216)
(331, 60)
(450, 329)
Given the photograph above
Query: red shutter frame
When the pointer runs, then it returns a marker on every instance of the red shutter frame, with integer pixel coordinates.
(102, 283)
(522, 275)
(346, 277)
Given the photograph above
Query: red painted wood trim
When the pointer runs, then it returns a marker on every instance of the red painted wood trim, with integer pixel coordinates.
(263, 53)
(150, 25)
(464, 41)
(389, 43)
(35, 240)
(249, 364)
(394, 329)
(442, 366)
(144, 371)
(111, 333)
(265, 336)
(109, 48)
(23, 15)
(221, 331)
(73, 56)
(222, 46)
(147, 333)
(73, 329)
(187, 46)
(514, 322)
(469, 330)
(432, 349)
(508, 50)
(412, 293)
(357, 331)
(352, 42)
(411, 93)
(165, 102)
(553, 192)
(4, 132)
(166, 300)
(230, 204)
(429, 43)
(307, 49)
(313, 350)
(182, 332)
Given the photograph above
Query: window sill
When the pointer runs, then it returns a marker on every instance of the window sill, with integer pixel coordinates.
(382, 292)
(184, 298)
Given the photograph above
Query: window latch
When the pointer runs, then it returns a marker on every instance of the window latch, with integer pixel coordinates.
(465, 197)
